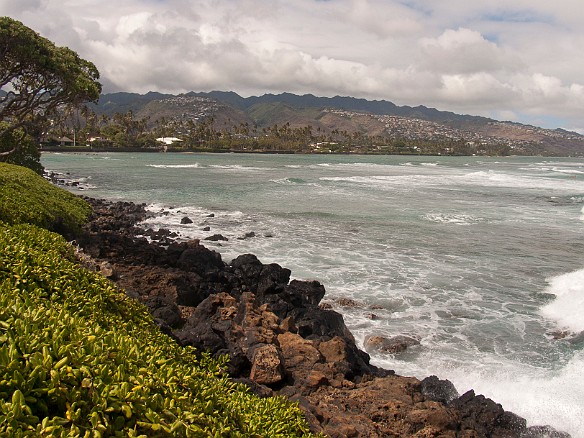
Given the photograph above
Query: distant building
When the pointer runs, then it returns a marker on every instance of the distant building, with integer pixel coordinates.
(57, 141)
(168, 140)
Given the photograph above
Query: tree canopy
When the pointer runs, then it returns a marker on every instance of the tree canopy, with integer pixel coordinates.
(37, 78)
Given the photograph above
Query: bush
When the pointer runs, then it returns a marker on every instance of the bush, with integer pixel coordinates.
(79, 358)
(26, 197)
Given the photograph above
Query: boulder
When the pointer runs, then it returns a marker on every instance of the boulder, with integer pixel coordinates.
(442, 391)
(266, 366)
(199, 259)
(259, 278)
(298, 355)
(186, 220)
(217, 238)
(164, 309)
(395, 344)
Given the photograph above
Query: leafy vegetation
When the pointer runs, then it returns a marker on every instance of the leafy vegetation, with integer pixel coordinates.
(79, 358)
(26, 197)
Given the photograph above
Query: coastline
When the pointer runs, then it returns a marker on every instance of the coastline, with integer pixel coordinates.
(90, 150)
(281, 341)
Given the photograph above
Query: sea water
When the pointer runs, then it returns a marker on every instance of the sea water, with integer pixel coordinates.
(480, 259)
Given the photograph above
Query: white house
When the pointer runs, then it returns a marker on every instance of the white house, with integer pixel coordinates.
(168, 140)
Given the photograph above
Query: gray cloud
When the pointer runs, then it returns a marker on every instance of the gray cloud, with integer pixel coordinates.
(519, 60)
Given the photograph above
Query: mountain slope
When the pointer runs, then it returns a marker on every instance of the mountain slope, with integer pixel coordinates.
(228, 110)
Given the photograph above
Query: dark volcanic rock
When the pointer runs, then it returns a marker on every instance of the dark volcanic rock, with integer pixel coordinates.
(442, 391)
(197, 258)
(186, 220)
(216, 238)
(165, 309)
(485, 416)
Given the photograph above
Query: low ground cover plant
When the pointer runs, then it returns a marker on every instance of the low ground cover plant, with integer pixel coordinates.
(80, 358)
(26, 197)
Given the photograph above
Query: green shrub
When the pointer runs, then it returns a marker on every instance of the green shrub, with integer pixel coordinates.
(26, 197)
(79, 358)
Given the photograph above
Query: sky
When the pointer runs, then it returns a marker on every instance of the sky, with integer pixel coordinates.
(516, 60)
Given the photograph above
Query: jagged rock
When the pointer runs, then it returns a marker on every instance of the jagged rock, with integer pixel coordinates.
(442, 391)
(164, 309)
(162, 233)
(217, 238)
(266, 367)
(299, 355)
(197, 258)
(259, 278)
(186, 220)
(485, 416)
(347, 302)
(395, 344)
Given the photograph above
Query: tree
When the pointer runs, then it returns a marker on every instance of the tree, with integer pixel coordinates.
(37, 79)
(27, 154)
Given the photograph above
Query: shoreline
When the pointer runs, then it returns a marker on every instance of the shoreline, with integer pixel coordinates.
(85, 149)
(281, 340)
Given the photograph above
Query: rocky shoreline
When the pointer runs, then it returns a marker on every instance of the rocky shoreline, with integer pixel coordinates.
(280, 339)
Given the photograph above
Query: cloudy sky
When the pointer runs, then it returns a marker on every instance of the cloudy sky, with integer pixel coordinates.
(518, 60)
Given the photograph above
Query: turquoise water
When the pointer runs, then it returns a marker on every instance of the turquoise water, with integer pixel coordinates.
(481, 259)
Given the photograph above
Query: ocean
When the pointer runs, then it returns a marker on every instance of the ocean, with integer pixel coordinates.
(480, 259)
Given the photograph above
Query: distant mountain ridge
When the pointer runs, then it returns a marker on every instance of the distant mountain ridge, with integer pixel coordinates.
(136, 101)
(349, 114)
(380, 107)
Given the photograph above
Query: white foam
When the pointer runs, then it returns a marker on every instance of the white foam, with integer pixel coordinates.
(453, 218)
(568, 171)
(568, 307)
(237, 167)
(541, 396)
(174, 166)
(497, 179)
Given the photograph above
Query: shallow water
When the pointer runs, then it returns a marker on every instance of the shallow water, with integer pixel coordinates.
(481, 259)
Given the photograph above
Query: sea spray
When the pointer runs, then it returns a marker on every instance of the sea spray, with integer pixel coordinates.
(567, 309)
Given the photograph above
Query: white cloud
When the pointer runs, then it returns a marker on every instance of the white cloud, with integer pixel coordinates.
(465, 51)
(483, 57)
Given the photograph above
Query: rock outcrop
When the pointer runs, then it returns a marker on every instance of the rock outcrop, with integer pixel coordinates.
(279, 339)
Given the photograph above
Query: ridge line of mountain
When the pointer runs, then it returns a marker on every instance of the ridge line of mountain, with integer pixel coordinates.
(378, 107)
